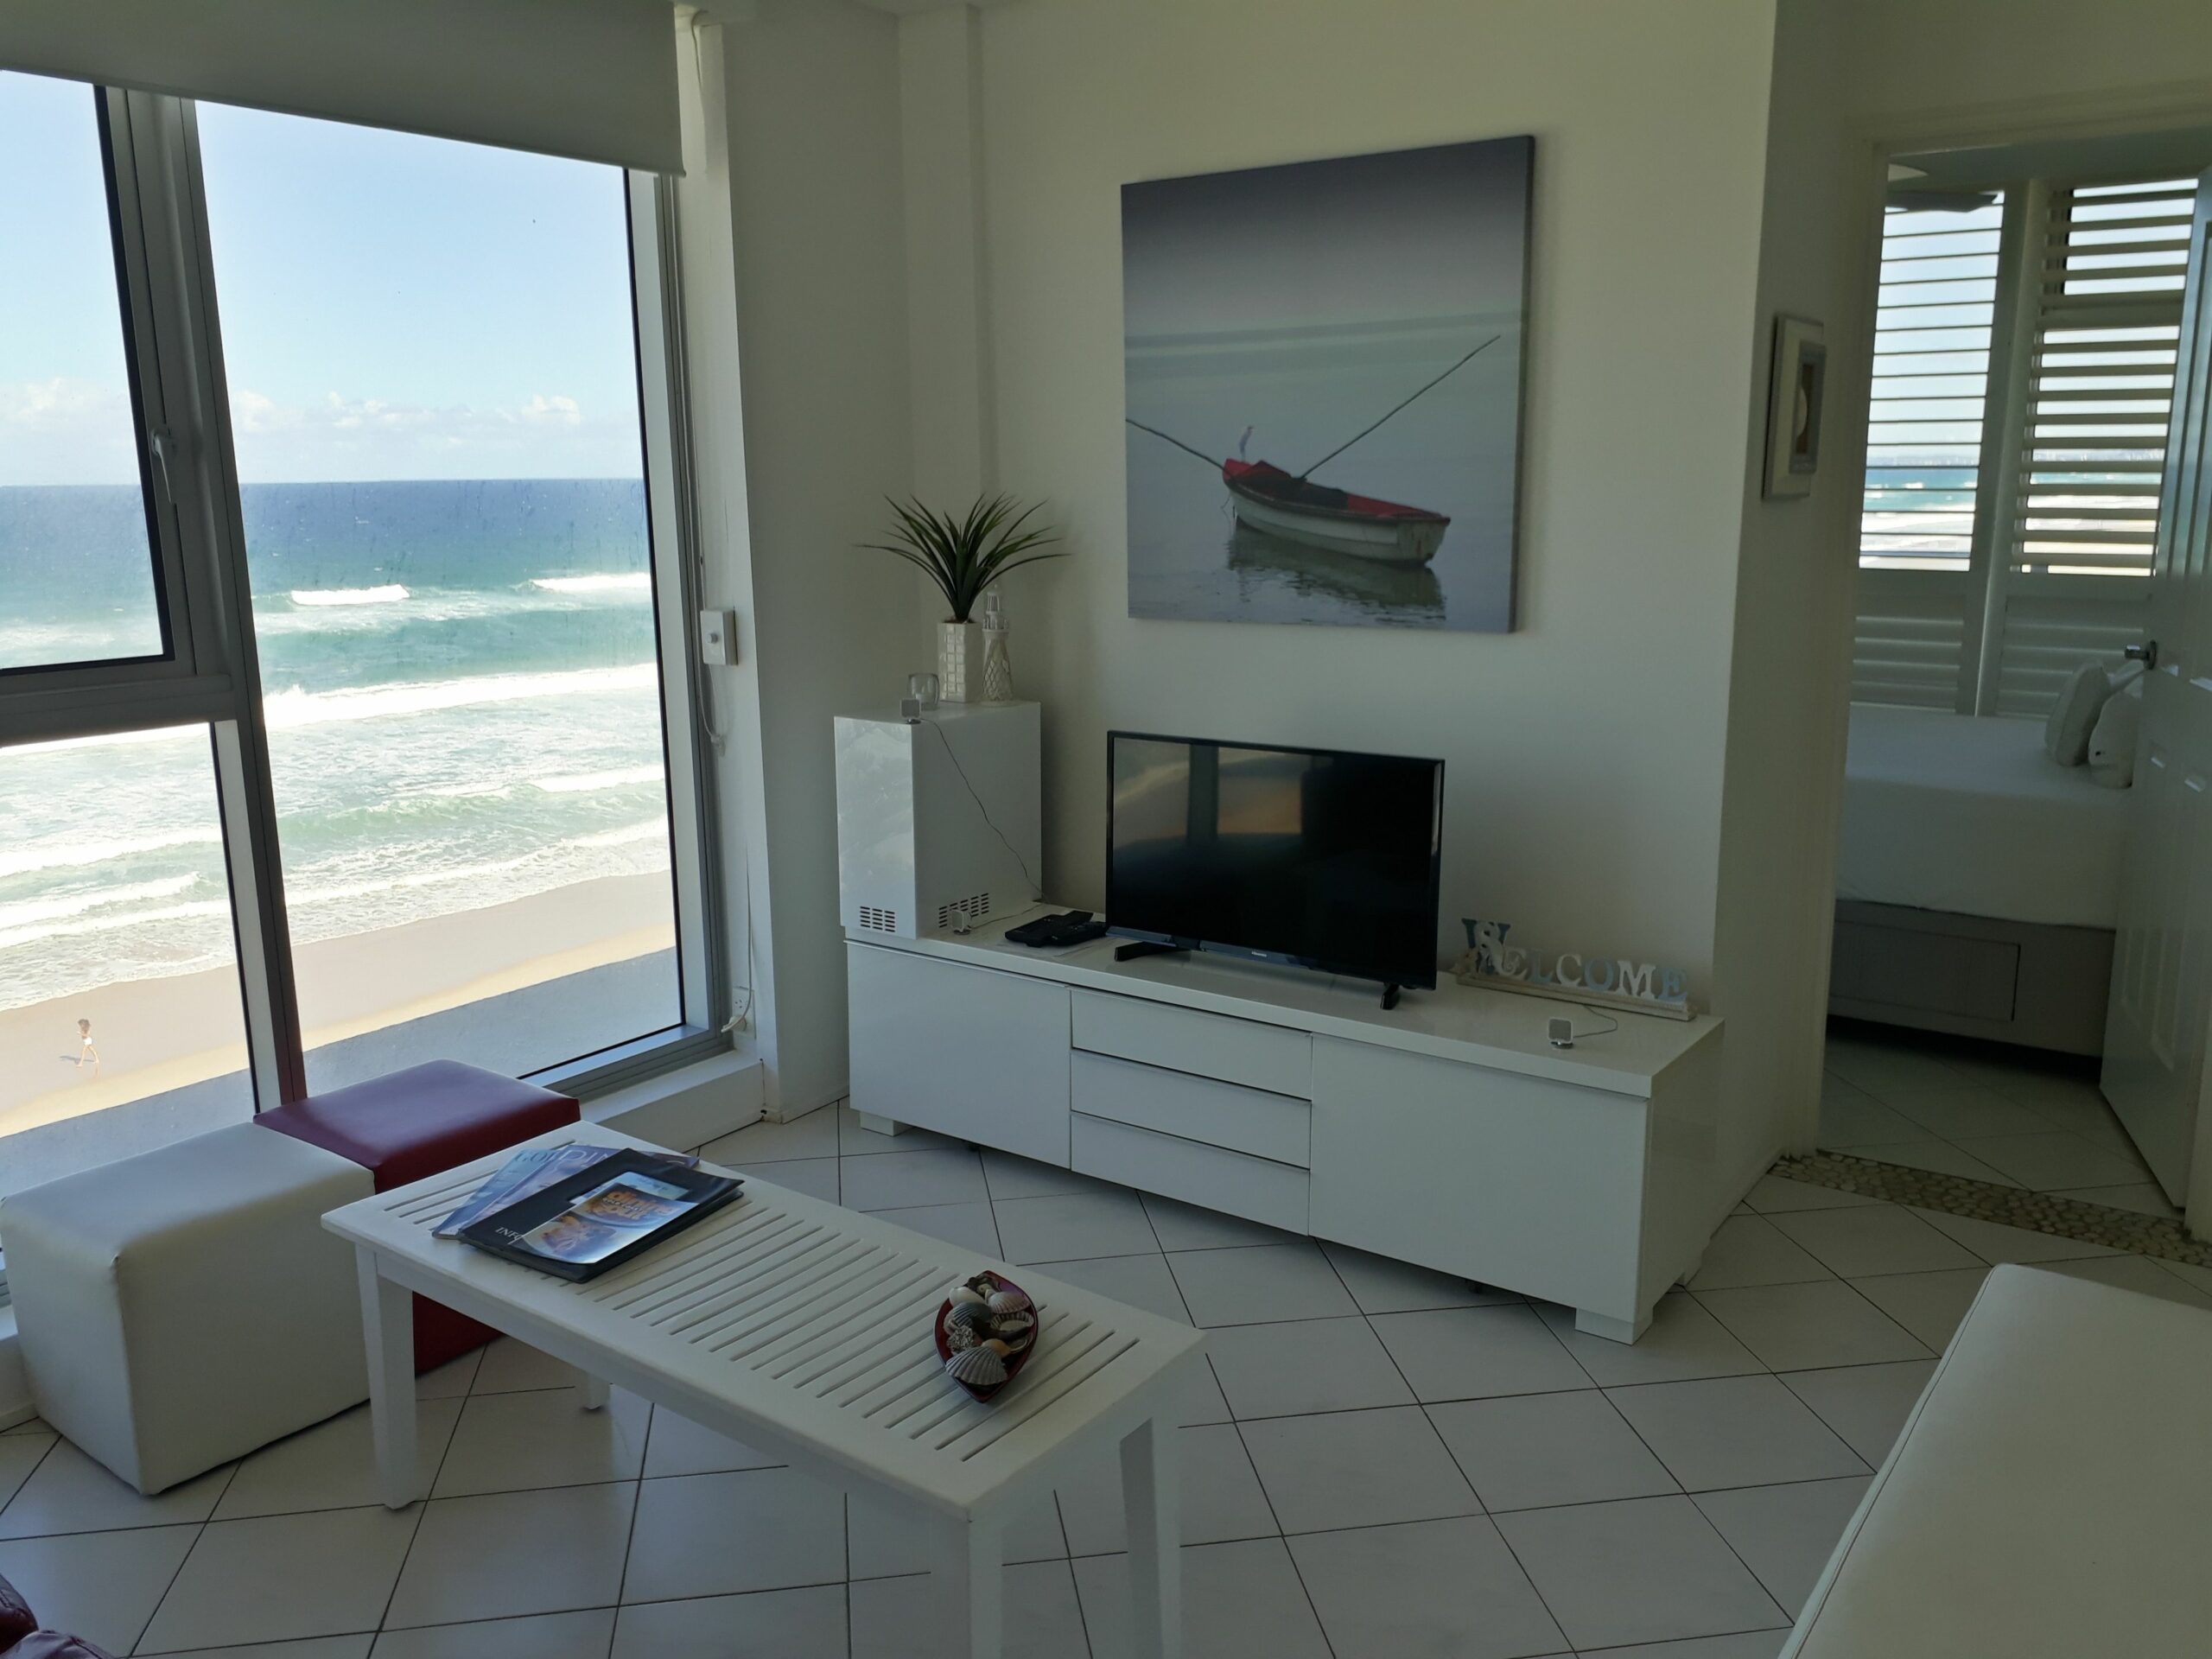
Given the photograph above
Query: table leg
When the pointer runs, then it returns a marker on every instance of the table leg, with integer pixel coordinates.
(969, 1575)
(594, 1390)
(388, 1324)
(1148, 1492)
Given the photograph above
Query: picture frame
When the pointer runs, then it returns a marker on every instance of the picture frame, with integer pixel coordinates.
(1797, 390)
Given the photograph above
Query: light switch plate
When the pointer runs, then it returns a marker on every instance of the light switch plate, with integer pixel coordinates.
(718, 638)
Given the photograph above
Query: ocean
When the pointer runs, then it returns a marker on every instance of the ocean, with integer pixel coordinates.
(462, 696)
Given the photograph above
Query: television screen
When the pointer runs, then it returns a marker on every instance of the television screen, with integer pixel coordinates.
(1317, 857)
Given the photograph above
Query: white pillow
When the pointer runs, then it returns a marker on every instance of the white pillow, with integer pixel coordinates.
(2066, 734)
(2111, 744)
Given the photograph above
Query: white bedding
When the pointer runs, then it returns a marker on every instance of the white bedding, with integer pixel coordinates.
(1958, 813)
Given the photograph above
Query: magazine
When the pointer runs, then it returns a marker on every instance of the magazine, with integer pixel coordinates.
(600, 1216)
(532, 1170)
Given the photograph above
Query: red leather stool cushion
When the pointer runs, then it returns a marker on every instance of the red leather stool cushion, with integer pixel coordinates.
(417, 1122)
(17, 1619)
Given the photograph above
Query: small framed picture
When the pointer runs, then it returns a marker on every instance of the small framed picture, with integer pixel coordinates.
(1797, 381)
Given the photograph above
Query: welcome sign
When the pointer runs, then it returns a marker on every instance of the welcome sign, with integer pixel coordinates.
(1571, 976)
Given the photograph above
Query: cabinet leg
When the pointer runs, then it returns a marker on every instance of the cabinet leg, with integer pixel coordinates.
(1613, 1330)
(880, 1125)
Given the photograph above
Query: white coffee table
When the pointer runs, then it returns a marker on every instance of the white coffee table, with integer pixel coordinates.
(803, 1329)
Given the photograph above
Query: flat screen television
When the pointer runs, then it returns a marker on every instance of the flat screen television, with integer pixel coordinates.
(1321, 858)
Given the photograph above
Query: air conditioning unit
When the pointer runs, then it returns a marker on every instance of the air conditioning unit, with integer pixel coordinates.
(939, 819)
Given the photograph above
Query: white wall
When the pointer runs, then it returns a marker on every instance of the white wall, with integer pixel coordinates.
(1585, 752)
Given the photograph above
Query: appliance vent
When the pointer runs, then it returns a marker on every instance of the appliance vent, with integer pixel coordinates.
(974, 908)
(877, 920)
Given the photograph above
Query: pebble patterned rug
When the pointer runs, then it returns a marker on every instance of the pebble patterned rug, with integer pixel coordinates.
(2039, 1212)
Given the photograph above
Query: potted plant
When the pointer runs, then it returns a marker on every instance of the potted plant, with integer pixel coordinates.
(962, 556)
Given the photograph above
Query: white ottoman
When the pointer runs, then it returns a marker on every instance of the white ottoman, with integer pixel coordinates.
(179, 1308)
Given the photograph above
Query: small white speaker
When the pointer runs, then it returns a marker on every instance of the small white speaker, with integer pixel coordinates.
(1562, 1034)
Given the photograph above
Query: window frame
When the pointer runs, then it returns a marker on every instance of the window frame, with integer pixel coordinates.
(167, 311)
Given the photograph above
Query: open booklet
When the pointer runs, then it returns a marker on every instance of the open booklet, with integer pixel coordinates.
(599, 1216)
(532, 1170)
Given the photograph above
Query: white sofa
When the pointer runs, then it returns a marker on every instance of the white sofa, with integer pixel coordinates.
(179, 1308)
(2047, 1499)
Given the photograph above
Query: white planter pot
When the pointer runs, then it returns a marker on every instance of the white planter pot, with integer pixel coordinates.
(960, 662)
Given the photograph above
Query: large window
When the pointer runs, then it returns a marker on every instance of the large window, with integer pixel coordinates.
(2012, 500)
(345, 686)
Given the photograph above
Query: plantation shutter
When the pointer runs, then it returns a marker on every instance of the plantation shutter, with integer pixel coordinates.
(1923, 453)
(2091, 441)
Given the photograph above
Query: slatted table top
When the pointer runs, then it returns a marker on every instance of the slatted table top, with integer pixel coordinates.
(809, 1322)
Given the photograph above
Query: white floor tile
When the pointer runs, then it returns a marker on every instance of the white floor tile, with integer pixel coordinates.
(1469, 1353)
(1879, 1067)
(356, 1646)
(814, 1135)
(2189, 1272)
(1885, 1238)
(1753, 1250)
(278, 1578)
(676, 1445)
(2053, 1160)
(1929, 1305)
(1786, 1534)
(815, 1177)
(1356, 1469)
(1431, 1587)
(899, 1618)
(19, 1455)
(69, 1492)
(1683, 1341)
(1734, 1431)
(515, 1553)
(29, 1425)
(1648, 1569)
(1751, 1645)
(1186, 1227)
(1009, 1177)
(1260, 1284)
(1240, 1601)
(1274, 1370)
(1222, 1497)
(1993, 1241)
(807, 1623)
(511, 1366)
(2144, 1197)
(1531, 1450)
(1850, 1117)
(1072, 1226)
(1938, 1157)
(900, 1180)
(1143, 1281)
(855, 1139)
(1799, 1327)
(452, 1380)
(1966, 1109)
(514, 1442)
(332, 1465)
(101, 1586)
(2137, 1273)
(880, 1544)
(1198, 1399)
(718, 1535)
(1776, 1195)
(1380, 1285)
(1867, 1405)
(964, 1226)
(546, 1635)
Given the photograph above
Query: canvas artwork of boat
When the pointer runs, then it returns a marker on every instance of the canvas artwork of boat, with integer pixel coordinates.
(1297, 510)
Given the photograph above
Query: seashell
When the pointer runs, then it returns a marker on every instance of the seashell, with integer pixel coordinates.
(962, 1294)
(974, 1315)
(957, 1336)
(1008, 1300)
(1001, 1349)
(979, 1367)
(1012, 1325)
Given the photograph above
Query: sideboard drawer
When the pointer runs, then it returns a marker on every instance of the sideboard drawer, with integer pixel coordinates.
(1273, 1058)
(1272, 1194)
(1277, 1126)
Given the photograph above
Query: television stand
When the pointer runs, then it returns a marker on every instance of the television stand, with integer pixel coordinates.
(1135, 948)
(1390, 996)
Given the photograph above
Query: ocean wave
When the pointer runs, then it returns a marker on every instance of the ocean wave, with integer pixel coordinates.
(291, 710)
(607, 582)
(586, 782)
(390, 593)
(76, 904)
(646, 831)
(34, 933)
(78, 855)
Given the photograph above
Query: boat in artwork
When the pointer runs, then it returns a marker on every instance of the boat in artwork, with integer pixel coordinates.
(1266, 498)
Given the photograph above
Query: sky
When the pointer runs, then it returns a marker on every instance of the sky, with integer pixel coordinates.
(392, 306)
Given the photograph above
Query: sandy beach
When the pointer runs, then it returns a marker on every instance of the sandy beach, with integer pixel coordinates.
(155, 1035)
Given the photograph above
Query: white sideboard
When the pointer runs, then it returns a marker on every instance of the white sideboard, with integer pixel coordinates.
(1448, 1132)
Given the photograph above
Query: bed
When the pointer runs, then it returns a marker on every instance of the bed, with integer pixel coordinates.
(1977, 882)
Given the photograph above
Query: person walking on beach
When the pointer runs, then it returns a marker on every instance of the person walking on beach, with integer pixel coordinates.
(87, 1054)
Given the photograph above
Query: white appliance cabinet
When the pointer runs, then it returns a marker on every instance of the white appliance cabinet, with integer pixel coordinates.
(1448, 1132)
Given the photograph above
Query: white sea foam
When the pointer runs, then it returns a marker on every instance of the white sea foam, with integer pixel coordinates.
(608, 582)
(290, 709)
(586, 782)
(390, 593)
(622, 837)
(76, 904)
(35, 931)
(78, 854)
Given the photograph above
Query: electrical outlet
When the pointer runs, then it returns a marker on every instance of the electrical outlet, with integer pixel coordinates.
(718, 638)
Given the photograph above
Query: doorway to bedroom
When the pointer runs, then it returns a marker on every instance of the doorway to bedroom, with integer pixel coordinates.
(2016, 995)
